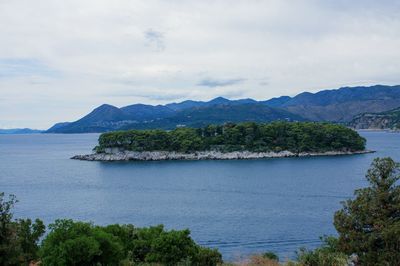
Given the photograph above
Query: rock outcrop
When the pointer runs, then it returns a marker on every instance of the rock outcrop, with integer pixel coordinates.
(201, 155)
(389, 120)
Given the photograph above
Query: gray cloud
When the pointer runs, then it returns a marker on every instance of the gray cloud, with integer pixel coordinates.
(157, 51)
(155, 39)
(219, 82)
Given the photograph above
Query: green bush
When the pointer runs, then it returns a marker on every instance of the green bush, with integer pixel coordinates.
(321, 257)
(271, 255)
(18, 238)
(78, 243)
(154, 244)
(207, 257)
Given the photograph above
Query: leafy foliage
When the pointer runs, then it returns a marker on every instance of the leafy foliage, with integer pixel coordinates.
(369, 225)
(326, 255)
(78, 243)
(18, 238)
(277, 136)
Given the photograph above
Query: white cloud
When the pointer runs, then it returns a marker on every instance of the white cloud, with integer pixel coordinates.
(59, 59)
(155, 40)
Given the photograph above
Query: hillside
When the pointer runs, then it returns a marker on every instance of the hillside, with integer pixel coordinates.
(218, 114)
(383, 120)
(108, 118)
(339, 105)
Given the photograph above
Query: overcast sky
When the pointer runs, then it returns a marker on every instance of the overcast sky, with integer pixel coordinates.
(60, 59)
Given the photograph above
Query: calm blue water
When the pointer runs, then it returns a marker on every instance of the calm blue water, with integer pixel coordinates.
(241, 207)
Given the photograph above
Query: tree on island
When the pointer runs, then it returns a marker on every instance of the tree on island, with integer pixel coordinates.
(248, 136)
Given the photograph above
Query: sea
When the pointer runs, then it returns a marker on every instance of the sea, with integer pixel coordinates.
(241, 207)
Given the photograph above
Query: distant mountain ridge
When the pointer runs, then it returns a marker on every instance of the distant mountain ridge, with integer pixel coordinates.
(217, 114)
(106, 117)
(216, 101)
(20, 131)
(338, 105)
(343, 104)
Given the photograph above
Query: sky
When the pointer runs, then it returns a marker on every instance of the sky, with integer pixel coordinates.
(60, 59)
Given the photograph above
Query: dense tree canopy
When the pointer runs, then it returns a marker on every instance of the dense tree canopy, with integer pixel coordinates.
(277, 136)
(79, 243)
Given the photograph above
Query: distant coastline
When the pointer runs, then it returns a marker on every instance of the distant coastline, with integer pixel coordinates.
(204, 155)
(388, 130)
(20, 131)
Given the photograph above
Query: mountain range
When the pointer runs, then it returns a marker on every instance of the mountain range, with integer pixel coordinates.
(20, 131)
(337, 105)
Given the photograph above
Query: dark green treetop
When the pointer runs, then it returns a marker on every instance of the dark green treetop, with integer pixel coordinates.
(276, 136)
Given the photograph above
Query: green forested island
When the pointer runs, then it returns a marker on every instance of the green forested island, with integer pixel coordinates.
(295, 137)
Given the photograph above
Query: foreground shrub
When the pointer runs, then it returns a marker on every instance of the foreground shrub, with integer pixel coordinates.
(208, 257)
(155, 245)
(321, 257)
(18, 238)
(271, 255)
(78, 243)
(256, 260)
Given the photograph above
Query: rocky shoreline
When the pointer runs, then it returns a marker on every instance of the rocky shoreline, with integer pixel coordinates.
(203, 155)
